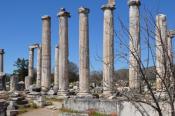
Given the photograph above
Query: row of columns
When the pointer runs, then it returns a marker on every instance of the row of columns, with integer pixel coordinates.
(62, 53)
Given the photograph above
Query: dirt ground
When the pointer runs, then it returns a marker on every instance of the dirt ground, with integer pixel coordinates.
(41, 112)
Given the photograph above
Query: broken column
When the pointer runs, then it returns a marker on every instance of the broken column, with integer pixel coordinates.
(134, 46)
(2, 74)
(56, 74)
(63, 52)
(161, 50)
(108, 49)
(83, 52)
(39, 59)
(46, 53)
(13, 83)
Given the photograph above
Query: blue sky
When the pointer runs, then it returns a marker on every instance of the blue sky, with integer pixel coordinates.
(20, 26)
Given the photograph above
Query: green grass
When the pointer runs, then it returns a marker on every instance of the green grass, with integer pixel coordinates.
(68, 110)
(54, 99)
(31, 106)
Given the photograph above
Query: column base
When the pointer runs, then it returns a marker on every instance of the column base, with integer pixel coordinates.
(107, 94)
(55, 89)
(62, 94)
(44, 90)
(84, 95)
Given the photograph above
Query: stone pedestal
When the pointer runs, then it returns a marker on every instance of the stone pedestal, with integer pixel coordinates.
(56, 73)
(46, 53)
(108, 49)
(161, 50)
(83, 52)
(134, 45)
(63, 52)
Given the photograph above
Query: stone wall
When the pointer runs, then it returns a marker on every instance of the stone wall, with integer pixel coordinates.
(122, 108)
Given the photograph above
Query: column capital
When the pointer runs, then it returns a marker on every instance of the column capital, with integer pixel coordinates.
(2, 51)
(63, 13)
(83, 10)
(134, 3)
(31, 49)
(108, 6)
(171, 33)
(45, 17)
(161, 17)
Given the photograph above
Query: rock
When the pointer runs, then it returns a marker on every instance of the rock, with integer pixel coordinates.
(51, 92)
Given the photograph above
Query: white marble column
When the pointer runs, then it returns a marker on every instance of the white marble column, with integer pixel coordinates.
(108, 49)
(134, 45)
(63, 52)
(56, 72)
(39, 61)
(83, 53)
(46, 54)
(161, 50)
(30, 66)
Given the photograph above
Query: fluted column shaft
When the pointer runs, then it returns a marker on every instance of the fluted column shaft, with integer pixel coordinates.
(83, 52)
(39, 64)
(30, 66)
(134, 45)
(161, 50)
(56, 73)
(46, 53)
(108, 49)
(63, 52)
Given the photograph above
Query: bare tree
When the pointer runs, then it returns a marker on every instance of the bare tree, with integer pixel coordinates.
(151, 31)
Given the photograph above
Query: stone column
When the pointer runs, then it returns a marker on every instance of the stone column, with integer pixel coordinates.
(134, 45)
(56, 73)
(30, 66)
(2, 60)
(46, 53)
(108, 49)
(13, 83)
(83, 52)
(170, 58)
(39, 61)
(63, 52)
(161, 46)
(2, 74)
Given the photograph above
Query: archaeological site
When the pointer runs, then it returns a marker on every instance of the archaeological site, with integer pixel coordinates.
(60, 75)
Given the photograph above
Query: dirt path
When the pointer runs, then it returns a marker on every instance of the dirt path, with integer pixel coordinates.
(41, 112)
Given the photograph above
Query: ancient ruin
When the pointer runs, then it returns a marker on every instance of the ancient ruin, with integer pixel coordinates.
(141, 94)
(63, 16)
(134, 58)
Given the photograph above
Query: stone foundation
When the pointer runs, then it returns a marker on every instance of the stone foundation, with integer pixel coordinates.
(120, 107)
